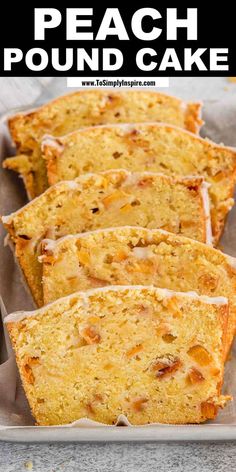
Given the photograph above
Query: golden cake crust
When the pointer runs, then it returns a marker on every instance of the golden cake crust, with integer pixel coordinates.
(102, 353)
(89, 108)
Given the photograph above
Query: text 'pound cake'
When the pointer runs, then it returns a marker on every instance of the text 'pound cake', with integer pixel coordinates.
(155, 147)
(102, 353)
(88, 108)
(112, 198)
(131, 256)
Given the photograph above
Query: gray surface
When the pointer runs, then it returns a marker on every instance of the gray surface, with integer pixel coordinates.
(120, 457)
(206, 457)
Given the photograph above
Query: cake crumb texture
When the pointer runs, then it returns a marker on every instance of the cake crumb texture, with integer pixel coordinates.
(152, 355)
(89, 108)
(131, 256)
(94, 201)
(155, 147)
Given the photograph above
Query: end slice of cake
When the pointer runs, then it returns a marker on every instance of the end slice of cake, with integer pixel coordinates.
(131, 256)
(155, 147)
(113, 198)
(150, 354)
(89, 108)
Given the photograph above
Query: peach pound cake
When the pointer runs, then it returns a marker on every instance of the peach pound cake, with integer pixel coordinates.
(88, 108)
(102, 353)
(113, 198)
(154, 147)
(131, 256)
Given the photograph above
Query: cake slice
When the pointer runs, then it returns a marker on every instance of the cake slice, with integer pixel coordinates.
(153, 147)
(113, 198)
(131, 256)
(89, 108)
(153, 355)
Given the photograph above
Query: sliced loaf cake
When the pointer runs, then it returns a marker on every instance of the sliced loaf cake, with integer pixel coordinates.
(113, 198)
(131, 256)
(102, 353)
(88, 108)
(155, 147)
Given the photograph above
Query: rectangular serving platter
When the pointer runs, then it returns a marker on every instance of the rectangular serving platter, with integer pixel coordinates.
(211, 431)
(207, 432)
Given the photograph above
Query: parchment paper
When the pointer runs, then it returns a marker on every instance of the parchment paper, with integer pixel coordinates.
(220, 118)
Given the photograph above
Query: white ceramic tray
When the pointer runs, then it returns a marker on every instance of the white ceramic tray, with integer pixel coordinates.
(224, 428)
